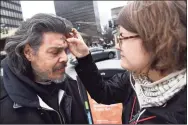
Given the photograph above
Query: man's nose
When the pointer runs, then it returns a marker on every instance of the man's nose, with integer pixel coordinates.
(63, 57)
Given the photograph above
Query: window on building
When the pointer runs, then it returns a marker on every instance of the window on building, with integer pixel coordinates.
(5, 4)
(12, 22)
(18, 15)
(18, 23)
(1, 12)
(1, 20)
(2, 3)
(8, 5)
(17, 8)
(5, 20)
(9, 13)
(13, 14)
(6, 12)
(13, 7)
(8, 21)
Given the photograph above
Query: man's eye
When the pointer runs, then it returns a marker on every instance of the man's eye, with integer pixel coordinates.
(55, 52)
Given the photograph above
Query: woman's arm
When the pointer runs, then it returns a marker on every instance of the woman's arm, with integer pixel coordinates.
(114, 90)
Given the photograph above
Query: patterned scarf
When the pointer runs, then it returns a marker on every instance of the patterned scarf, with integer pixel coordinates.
(158, 93)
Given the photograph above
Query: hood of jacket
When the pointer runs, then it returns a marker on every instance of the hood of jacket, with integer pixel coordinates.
(20, 86)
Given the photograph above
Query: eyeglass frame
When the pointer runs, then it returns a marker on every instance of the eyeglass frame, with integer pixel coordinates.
(120, 40)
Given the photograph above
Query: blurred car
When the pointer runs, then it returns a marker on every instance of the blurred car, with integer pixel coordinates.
(108, 68)
(98, 54)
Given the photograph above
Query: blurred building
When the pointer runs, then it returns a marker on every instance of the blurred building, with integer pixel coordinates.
(11, 14)
(114, 15)
(83, 14)
(113, 22)
(11, 17)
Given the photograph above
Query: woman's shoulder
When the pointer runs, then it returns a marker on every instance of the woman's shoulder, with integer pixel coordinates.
(179, 99)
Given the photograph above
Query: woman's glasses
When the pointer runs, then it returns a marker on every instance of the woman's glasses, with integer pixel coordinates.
(120, 38)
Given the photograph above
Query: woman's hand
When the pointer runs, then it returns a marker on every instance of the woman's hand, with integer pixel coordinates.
(77, 45)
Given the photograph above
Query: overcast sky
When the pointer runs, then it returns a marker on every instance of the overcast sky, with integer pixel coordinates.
(29, 8)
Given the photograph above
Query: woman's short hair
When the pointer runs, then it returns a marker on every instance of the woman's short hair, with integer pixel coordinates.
(162, 26)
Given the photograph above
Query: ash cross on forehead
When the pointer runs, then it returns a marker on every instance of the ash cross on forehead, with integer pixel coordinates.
(64, 39)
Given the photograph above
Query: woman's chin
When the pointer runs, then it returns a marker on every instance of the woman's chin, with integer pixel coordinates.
(124, 65)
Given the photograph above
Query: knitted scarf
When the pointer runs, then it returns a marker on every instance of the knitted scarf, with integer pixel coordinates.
(151, 94)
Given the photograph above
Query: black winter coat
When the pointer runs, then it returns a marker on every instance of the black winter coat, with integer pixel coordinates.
(119, 90)
(19, 103)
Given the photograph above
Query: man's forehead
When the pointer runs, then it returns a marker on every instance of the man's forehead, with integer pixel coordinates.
(51, 38)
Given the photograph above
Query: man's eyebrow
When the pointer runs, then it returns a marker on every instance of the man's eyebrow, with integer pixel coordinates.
(55, 47)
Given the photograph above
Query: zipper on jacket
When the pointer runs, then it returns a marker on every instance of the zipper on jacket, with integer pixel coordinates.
(59, 115)
(135, 116)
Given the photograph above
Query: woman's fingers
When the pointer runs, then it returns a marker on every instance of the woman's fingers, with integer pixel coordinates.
(75, 40)
(77, 34)
(77, 45)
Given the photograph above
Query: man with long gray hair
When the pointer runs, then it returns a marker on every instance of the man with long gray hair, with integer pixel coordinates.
(34, 87)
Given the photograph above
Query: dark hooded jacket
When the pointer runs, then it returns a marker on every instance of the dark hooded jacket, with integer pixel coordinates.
(24, 102)
(118, 89)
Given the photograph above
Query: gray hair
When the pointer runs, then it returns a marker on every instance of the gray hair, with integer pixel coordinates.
(30, 32)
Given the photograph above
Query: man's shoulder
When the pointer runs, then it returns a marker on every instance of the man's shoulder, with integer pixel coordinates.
(5, 101)
(6, 104)
(3, 92)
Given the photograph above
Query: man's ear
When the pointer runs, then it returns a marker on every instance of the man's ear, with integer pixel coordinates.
(28, 52)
